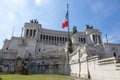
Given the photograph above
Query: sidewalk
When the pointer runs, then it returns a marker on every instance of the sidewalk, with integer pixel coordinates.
(77, 78)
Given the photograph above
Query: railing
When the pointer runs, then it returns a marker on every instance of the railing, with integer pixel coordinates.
(111, 60)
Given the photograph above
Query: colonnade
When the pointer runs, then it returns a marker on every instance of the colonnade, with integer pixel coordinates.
(50, 39)
(30, 33)
(82, 40)
(97, 39)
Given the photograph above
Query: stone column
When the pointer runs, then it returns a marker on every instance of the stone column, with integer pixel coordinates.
(53, 40)
(26, 32)
(95, 39)
(59, 40)
(63, 40)
(99, 39)
(92, 38)
(32, 33)
(48, 39)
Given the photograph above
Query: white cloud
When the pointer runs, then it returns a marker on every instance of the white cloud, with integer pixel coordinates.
(15, 13)
(42, 2)
(38, 2)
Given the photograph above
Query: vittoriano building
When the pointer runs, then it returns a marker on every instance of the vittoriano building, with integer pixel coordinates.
(44, 51)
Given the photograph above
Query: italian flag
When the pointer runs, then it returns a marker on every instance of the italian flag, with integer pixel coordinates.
(65, 23)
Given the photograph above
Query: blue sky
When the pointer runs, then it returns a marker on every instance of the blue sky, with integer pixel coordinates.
(102, 14)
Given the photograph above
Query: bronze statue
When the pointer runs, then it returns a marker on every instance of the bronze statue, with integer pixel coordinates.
(89, 27)
(31, 21)
(34, 21)
(74, 30)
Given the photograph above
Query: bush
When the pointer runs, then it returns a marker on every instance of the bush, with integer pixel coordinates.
(0, 78)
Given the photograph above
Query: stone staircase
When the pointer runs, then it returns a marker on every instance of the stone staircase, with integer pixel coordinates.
(118, 66)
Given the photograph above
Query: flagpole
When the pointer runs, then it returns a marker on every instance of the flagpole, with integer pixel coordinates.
(68, 31)
(13, 31)
(68, 20)
(106, 38)
(68, 42)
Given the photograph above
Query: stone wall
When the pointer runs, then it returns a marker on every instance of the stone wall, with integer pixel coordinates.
(103, 69)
